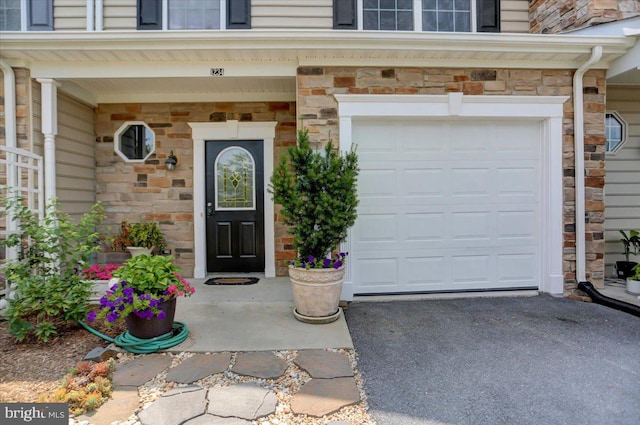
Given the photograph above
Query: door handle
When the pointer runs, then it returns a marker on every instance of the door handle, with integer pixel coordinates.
(210, 211)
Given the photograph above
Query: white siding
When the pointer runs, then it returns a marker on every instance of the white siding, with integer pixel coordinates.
(622, 190)
(284, 14)
(75, 156)
(514, 16)
(119, 15)
(70, 15)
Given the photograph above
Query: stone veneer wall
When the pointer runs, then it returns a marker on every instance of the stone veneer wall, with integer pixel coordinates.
(135, 191)
(554, 16)
(317, 111)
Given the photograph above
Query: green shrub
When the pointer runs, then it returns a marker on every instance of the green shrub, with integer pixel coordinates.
(318, 194)
(49, 291)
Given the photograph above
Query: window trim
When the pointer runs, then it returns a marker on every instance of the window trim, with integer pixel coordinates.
(417, 16)
(253, 178)
(624, 130)
(121, 130)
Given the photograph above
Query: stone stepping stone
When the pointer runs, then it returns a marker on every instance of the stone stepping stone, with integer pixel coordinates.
(216, 420)
(140, 370)
(260, 364)
(324, 364)
(320, 397)
(198, 366)
(175, 407)
(122, 404)
(243, 401)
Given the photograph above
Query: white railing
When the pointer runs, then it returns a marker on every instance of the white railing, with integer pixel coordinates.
(21, 174)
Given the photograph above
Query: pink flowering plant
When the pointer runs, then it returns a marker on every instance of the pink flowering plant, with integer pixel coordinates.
(100, 272)
(143, 283)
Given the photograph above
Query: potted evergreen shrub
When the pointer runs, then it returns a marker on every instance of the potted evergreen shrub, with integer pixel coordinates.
(139, 238)
(317, 190)
(631, 244)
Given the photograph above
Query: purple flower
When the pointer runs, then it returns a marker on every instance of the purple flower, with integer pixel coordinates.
(104, 301)
(91, 316)
(326, 263)
(310, 259)
(112, 317)
(127, 292)
(154, 303)
(162, 315)
(337, 265)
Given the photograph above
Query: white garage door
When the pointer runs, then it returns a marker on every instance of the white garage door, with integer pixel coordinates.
(448, 205)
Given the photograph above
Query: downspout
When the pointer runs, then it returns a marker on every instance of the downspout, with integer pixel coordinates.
(578, 131)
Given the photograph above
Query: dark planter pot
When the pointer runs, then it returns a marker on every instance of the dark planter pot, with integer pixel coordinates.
(150, 328)
(623, 269)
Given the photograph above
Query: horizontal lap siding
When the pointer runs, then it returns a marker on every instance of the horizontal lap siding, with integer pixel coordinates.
(75, 156)
(119, 15)
(622, 190)
(514, 16)
(70, 15)
(309, 14)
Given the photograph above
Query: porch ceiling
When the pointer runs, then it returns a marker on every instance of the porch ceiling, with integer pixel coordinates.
(161, 66)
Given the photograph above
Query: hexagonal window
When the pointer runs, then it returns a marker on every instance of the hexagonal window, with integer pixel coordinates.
(615, 130)
(134, 141)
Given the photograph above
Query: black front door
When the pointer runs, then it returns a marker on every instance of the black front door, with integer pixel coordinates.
(235, 206)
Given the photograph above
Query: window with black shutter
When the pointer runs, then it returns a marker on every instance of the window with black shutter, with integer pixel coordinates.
(40, 15)
(238, 14)
(149, 14)
(488, 15)
(345, 15)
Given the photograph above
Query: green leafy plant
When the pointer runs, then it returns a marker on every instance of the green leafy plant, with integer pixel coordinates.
(636, 271)
(318, 193)
(631, 243)
(145, 234)
(49, 292)
(145, 282)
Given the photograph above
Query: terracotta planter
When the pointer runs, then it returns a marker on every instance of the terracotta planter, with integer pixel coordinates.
(150, 328)
(316, 293)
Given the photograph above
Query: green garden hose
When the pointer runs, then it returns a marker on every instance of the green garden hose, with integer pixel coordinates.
(136, 345)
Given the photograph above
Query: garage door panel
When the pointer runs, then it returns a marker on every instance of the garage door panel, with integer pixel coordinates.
(377, 183)
(472, 269)
(517, 268)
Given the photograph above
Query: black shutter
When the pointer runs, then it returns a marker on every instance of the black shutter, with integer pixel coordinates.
(40, 15)
(149, 14)
(488, 15)
(238, 14)
(345, 15)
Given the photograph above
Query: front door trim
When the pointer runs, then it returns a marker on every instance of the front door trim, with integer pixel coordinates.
(225, 131)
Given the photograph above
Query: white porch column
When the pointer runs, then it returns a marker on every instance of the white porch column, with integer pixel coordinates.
(49, 92)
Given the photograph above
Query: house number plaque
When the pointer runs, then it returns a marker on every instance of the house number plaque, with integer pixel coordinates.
(217, 72)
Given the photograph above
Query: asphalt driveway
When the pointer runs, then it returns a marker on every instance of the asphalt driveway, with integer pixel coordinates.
(531, 360)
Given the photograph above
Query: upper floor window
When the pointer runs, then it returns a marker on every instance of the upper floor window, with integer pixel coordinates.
(615, 129)
(418, 15)
(392, 15)
(26, 15)
(446, 15)
(193, 14)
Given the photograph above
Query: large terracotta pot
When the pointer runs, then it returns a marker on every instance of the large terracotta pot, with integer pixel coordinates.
(316, 293)
(150, 328)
